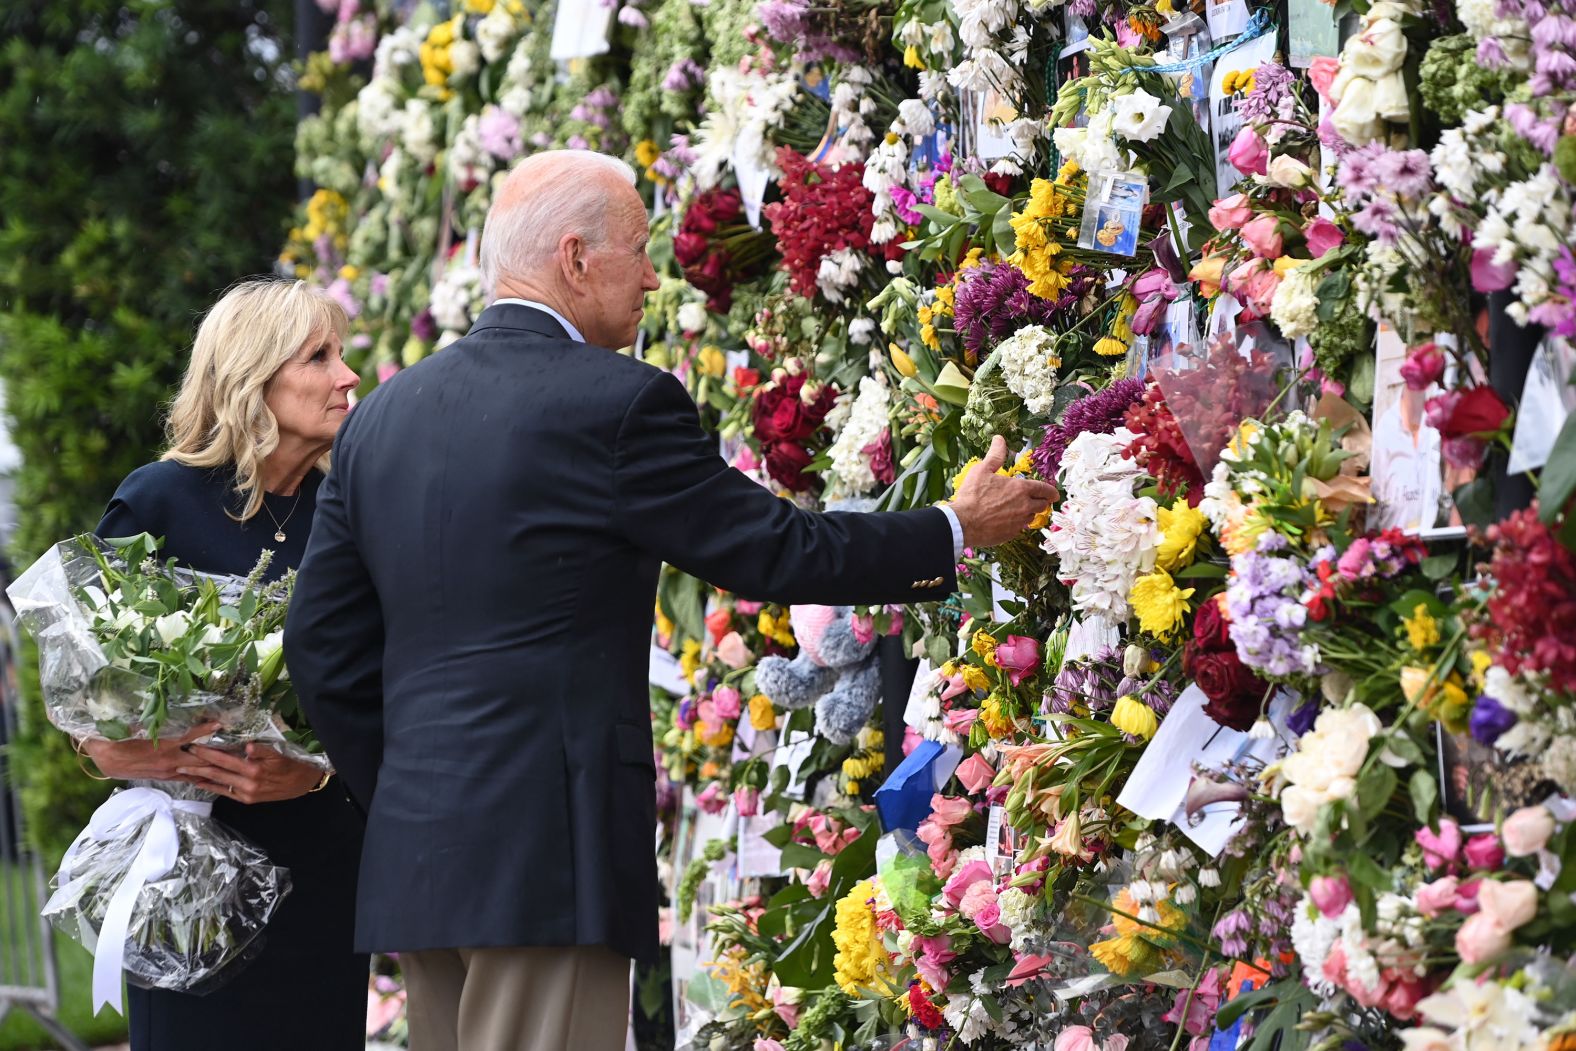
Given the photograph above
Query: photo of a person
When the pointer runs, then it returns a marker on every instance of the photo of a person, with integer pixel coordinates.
(1407, 466)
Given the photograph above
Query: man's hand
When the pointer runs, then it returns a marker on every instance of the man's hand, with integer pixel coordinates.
(993, 509)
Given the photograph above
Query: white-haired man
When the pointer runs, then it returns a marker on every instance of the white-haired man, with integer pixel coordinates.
(471, 623)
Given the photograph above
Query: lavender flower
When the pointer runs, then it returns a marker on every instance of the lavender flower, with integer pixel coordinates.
(1264, 602)
(1273, 84)
(683, 75)
(1229, 932)
(1101, 413)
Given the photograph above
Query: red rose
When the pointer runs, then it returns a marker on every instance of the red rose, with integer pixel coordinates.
(1477, 411)
(1235, 694)
(746, 379)
(778, 415)
(785, 462)
(880, 453)
(1210, 631)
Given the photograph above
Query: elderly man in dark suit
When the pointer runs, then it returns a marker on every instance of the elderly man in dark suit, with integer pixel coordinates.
(472, 619)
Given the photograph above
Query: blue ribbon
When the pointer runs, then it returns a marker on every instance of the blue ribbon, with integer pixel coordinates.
(1257, 26)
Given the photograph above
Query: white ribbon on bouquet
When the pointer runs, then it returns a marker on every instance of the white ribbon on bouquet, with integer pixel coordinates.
(120, 817)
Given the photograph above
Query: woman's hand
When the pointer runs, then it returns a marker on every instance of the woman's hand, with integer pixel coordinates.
(143, 760)
(262, 775)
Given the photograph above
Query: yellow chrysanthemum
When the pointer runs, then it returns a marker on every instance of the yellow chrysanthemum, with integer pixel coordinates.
(1481, 662)
(1110, 347)
(1125, 955)
(689, 658)
(1161, 605)
(974, 677)
(778, 629)
(996, 721)
(984, 644)
(762, 715)
(861, 960)
(945, 301)
(1132, 716)
(1180, 527)
(1422, 630)
(927, 336)
(647, 152)
(664, 623)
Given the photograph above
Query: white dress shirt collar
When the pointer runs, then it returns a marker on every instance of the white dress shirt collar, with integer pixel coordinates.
(574, 333)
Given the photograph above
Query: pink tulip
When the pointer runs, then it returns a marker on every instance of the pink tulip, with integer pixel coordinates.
(1331, 894)
(1019, 656)
(1262, 235)
(712, 799)
(975, 773)
(1248, 154)
(1322, 236)
(1230, 213)
(1484, 852)
(747, 800)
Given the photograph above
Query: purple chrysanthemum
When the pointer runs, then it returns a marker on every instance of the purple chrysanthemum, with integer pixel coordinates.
(1101, 412)
(993, 301)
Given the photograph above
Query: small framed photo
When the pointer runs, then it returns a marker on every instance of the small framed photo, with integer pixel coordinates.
(1113, 212)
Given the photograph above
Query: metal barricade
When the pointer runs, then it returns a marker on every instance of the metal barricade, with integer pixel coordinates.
(29, 975)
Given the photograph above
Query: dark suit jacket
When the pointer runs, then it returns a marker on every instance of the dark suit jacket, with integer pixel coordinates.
(471, 626)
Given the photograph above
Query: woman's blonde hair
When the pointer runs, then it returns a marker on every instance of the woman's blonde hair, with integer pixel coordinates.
(219, 416)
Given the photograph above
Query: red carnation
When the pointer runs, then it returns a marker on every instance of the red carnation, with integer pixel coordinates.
(924, 1012)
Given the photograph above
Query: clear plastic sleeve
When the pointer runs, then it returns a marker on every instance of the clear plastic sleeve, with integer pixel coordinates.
(158, 888)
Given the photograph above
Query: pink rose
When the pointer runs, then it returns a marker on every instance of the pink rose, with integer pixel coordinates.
(1509, 903)
(1262, 235)
(1230, 213)
(732, 651)
(1255, 284)
(964, 878)
(1481, 938)
(979, 894)
(1019, 656)
(1321, 72)
(747, 800)
(975, 773)
(1437, 897)
(820, 878)
(1322, 236)
(1527, 831)
(988, 919)
(1484, 852)
(1331, 894)
(1423, 366)
(1076, 1038)
(1489, 276)
(931, 956)
(949, 810)
(1467, 896)
(1401, 998)
(1440, 849)
(766, 1043)
(1248, 154)
(725, 700)
(864, 628)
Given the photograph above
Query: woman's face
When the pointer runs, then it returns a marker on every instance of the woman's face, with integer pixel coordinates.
(309, 395)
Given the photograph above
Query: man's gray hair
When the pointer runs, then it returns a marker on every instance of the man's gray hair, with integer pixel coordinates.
(523, 237)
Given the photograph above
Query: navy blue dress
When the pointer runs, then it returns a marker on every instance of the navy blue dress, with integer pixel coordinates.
(307, 990)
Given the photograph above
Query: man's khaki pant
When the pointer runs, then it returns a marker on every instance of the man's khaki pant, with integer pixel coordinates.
(558, 998)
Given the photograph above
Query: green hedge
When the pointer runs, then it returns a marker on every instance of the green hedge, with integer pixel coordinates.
(145, 165)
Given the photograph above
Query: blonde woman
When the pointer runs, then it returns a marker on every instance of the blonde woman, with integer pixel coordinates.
(249, 435)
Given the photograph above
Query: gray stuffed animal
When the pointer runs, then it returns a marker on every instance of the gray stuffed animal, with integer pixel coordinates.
(834, 671)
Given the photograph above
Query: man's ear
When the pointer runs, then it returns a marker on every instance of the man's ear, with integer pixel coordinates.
(572, 260)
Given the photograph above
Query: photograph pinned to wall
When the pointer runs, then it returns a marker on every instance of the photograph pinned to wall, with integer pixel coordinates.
(1227, 18)
(1312, 30)
(1187, 38)
(1546, 401)
(1224, 119)
(1412, 478)
(1113, 212)
(580, 30)
(984, 117)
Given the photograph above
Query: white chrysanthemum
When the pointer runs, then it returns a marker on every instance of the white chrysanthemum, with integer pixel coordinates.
(1028, 363)
(850, 474)
(692, 317)
(420, 131)
(917, 119)
(1313, 936)
(380, 113)
(496, 32)
(457, 298)
(398, 49)
(1295, 306)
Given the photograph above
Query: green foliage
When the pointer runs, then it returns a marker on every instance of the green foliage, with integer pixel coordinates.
(145, 165)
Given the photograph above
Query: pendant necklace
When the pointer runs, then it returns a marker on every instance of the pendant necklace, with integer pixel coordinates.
(280, 526)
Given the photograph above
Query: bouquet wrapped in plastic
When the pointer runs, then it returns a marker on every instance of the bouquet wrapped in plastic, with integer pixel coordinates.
(134, 648)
